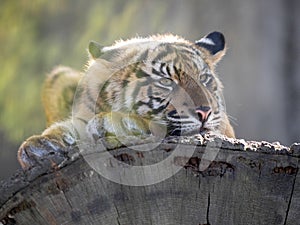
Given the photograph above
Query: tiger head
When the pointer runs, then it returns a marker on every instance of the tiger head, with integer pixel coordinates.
(164, 78)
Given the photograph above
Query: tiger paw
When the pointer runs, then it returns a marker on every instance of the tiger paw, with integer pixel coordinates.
(43, 151)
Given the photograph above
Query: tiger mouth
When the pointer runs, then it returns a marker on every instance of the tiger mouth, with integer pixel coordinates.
(203, 130)
(182, 131)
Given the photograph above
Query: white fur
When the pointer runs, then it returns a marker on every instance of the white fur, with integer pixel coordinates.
(207, 41)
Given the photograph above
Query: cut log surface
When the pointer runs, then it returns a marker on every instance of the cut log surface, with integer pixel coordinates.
(182, 180)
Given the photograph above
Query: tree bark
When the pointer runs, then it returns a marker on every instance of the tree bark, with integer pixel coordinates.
(225, 181)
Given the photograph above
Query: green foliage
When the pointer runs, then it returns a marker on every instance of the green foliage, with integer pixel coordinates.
(37, 35)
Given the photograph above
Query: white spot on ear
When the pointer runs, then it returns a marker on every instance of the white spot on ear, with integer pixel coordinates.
(206, 41)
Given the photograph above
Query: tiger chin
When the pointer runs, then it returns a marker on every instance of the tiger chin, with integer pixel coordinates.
(161, 85)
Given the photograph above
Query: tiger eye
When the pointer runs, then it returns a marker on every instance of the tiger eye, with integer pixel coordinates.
(166, 81)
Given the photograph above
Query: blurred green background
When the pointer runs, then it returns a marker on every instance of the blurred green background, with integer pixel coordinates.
(261, 71)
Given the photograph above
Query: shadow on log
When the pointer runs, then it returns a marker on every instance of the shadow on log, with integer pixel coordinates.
(225, 181)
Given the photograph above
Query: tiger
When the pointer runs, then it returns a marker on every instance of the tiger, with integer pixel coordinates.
(160, 85)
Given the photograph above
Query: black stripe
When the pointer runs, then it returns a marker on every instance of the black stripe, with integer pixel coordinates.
(186, 52)
(154, 71)
(138, 86)
(177, 72)
(173, 112)
(179, 117)
(168, 71)
(125, 83)
(90, 100)
(159, 109)
(143, 56)
(55, 77)
(186, 57)
(140, 74)
(162, 65)
(198, 53)
(82, 120)
(179, 122)
(162, 54)
(160, 100)
(161, 87)
(139, 104)
(149, 93)
(78, 93)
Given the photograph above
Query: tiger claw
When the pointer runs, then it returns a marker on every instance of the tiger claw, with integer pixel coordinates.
(41, 151)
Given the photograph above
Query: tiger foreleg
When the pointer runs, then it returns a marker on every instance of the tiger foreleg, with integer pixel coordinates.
(115, 128)
(120, 128)
(50, 148)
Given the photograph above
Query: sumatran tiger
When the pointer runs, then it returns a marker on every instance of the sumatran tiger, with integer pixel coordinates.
(142, 86)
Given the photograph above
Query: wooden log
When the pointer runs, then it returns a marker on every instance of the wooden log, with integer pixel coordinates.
(225, 181)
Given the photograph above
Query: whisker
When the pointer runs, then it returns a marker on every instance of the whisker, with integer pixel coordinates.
(233, 120)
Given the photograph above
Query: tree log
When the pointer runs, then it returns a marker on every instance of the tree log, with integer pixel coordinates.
(225, 181)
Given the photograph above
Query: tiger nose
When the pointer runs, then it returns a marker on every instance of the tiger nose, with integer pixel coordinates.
(203, 113)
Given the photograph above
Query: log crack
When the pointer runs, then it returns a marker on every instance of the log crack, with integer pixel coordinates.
(207, 211)
(291, 197)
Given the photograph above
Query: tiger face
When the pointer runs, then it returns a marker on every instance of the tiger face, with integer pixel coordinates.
(163, 78)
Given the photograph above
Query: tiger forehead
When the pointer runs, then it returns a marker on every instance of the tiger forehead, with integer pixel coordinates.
(149, 42)
(168, 44)
(171, 50)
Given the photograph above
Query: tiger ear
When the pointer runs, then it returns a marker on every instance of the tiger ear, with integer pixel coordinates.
(95, 49)
(214, 43)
